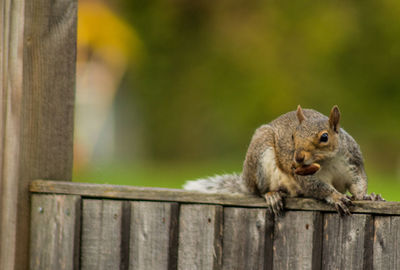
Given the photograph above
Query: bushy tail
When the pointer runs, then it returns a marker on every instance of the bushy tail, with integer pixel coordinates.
(226, 183)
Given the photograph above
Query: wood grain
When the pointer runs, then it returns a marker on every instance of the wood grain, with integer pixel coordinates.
(179, 195)
(386, 249)
(200, 237)
(154, 235)
(347, 242)
(244, 238)
(37, 54)
(297, 241)
(101, 234)
(55, 227)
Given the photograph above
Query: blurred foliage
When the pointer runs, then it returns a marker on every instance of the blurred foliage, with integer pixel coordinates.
(210, 72)
(214, 71)
(105, 33)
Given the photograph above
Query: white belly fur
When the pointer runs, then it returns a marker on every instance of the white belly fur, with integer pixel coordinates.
(274, 176)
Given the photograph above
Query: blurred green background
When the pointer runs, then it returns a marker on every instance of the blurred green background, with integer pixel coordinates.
(169, 91)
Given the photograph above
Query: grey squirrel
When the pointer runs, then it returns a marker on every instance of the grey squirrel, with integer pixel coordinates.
(301, 153)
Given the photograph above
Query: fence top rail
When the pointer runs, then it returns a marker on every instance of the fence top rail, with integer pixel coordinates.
(182, 196)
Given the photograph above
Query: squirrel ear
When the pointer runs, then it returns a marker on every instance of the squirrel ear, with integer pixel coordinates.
(334, 118)
(300, 114)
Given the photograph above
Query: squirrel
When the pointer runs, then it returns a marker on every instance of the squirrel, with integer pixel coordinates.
(302, 153)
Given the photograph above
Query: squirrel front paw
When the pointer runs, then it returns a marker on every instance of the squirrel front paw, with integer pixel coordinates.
(341, 202)
(274, 201)
(374, 197)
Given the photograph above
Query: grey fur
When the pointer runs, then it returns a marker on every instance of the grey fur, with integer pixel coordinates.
(226, 183)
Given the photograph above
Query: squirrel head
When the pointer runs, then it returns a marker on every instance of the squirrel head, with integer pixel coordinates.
(315, 138)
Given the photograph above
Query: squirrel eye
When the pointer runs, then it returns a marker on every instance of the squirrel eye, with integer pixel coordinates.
(324, 137)
(292, 137)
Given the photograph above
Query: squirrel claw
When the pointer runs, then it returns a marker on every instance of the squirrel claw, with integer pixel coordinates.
(342, 204)
(374, 197)
(342, 209)
(275, 203)
(347, 201)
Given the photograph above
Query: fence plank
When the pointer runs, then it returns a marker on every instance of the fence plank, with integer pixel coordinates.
(297, 241)
(179, 195)
(37, 81)
(244, 238)
(347, 242)
(101, 234)
(200, 233)
(154, 235)
(55, 232)
(386, 242)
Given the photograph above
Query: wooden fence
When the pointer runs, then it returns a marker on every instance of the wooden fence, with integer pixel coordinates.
(90, 226)
(64, 225)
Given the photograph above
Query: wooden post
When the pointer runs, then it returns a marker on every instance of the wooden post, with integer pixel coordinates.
(37, 75)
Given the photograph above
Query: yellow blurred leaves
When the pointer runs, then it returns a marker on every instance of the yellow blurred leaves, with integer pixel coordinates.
(106, 34)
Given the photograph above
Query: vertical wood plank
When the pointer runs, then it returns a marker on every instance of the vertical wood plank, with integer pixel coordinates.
(101, 234)
(244, 238)
(154, 235)
(55, 227)
(347, 242)
(37, 80)
(297, 241)
(200, 233)
(386, 250)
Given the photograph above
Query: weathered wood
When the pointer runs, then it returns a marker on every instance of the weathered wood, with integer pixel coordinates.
(347, 242)
(37, 80)
(386, 250)
(101, 234)
(179, 195)
(55, 223)
(200, 235)
(297, 241)
(154, 235)
(244, 238)
(144, 235)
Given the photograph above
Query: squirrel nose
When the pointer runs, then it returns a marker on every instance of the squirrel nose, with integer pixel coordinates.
(300, 157)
